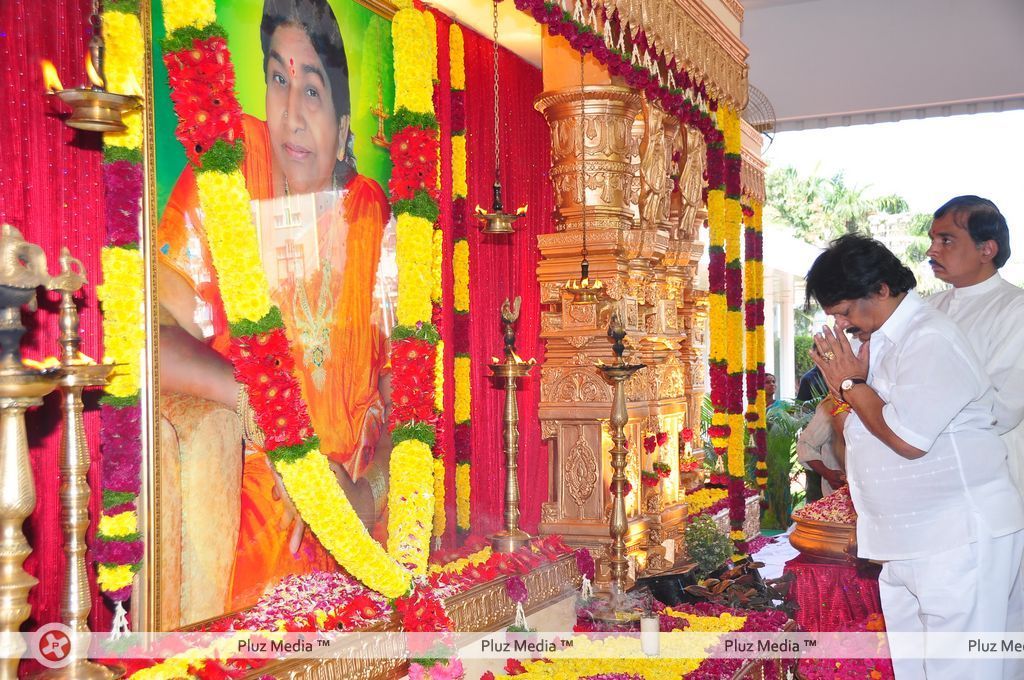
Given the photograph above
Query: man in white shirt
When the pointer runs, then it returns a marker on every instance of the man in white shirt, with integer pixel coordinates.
(927, 472)
(970, 242)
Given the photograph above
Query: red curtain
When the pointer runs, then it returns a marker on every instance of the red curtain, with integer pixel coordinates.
(51, 189)
(503, 267)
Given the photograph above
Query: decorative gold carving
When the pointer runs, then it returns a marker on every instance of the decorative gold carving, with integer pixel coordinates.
(573, 385)
(654, 161)
(581, 473)
(579, 315)
(550, 322)
(548, 429)
(579, 341)
(752, 178)
(735, 8)
(482, 608)
(549, 513)
(603, 184)
(689, 32)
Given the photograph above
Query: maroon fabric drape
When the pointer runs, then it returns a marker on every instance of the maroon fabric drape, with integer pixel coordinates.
(831, 597)
(503, 267)
(51, 189)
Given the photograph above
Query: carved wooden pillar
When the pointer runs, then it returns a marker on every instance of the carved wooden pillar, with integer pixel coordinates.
(626, 176)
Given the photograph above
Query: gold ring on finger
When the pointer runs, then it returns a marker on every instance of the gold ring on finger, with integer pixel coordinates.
(829, 356)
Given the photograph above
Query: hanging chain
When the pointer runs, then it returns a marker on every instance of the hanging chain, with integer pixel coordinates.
(497, 141)
(583, 163)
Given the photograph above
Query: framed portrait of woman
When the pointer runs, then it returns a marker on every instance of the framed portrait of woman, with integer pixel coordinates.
(314, 79)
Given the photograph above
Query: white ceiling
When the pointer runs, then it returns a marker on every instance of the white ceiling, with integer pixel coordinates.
(517, 31)
(841, 62)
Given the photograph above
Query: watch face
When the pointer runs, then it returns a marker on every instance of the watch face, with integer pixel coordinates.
(846, 384)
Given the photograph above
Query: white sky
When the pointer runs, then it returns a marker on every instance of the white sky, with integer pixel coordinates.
(926, 161)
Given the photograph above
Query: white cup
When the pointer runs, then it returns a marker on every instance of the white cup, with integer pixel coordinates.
(650, 628)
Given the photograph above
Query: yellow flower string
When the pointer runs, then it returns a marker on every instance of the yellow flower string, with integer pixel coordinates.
(460, 264)
(460, 275)
(123, 303)
(462, 389)
(124, 334)
(411, 92)
(414, 257)
(462, 484)
(413, 509)
(314, 490)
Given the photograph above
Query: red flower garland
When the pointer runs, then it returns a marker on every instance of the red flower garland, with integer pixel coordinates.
(203, 91)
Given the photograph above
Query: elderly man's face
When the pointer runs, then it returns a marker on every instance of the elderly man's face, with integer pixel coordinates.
(306, 133)
(856, 317)
(954, 256)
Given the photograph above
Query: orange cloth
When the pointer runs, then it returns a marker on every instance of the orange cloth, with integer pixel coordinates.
(348, 394)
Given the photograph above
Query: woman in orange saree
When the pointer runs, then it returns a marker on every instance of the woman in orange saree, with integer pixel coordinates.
(321, 227)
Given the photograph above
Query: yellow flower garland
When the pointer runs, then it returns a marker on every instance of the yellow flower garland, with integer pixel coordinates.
(460, 264)
(122, 69)
(231, 235)
(121, 524)
(702, 499)
(183, 13)
(110, 579)
(121, 295)
(460, 189)
(456, 566)
(430, 38)
(314, 490)
(411, 462)
(457, 54)
(463, 393)
(414, 254)
(412, 93)
(611, 655)
(462, 486)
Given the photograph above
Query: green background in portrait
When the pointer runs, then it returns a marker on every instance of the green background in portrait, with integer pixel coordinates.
(367, 38)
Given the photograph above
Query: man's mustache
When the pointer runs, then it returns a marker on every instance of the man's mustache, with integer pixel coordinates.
(933, 263)
(853, 330)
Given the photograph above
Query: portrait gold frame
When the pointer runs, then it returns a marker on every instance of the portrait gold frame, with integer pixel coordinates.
(147, 606)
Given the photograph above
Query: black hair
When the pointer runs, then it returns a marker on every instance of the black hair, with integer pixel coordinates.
(982, 220)
(316, 19)
(855, 267)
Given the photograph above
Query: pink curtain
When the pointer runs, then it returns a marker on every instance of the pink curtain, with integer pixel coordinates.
(51, 189)
(503, 267)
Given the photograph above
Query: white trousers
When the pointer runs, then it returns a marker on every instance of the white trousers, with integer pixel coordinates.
(976, 587)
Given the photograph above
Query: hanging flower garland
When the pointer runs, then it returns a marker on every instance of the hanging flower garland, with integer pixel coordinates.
(460, 271)
(754, 322)
(414, 193)
(118, 548)
(736, 467)
(198, 63)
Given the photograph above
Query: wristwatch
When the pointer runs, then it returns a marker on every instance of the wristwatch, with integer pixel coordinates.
(847, 384)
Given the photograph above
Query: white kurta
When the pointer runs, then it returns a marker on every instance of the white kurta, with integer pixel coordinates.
(991, 315)
(948, 525)
(937, 399)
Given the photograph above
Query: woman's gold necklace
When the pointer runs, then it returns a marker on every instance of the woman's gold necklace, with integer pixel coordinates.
(315, 329)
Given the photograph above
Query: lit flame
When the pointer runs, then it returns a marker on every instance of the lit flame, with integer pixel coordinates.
(131, 86)
(522, 211)
(478, 210)
(90, 70)
(50, 78)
